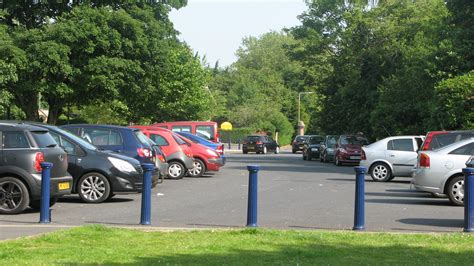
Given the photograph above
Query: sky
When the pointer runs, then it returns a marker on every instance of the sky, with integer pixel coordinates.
(215, 28)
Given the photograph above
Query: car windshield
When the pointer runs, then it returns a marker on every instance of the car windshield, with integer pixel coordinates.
(316, 140)
(353, 140)
(300, 138)
(332, 141)
(76, 139)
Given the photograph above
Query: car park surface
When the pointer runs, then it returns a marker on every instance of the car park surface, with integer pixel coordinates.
(293, 194)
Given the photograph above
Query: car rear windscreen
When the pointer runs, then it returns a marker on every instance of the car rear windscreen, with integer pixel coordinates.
(254, 138)
(442, 140)
(316, 140)
(353, 140)
(43, 139)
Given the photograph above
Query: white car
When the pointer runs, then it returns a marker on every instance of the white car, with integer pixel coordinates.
(390, 157)
(440, 171)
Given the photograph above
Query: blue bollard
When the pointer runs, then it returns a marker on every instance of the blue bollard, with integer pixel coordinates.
(253, 195)
(468, 199)
(45, 214)
(359, 210)
(146, 194)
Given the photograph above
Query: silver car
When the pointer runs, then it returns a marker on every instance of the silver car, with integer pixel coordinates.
(390, 157)
(440, 171)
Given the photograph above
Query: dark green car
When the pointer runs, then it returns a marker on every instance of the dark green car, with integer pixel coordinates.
(311, 147)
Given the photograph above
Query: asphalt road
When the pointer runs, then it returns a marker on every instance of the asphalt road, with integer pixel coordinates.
(293, 194)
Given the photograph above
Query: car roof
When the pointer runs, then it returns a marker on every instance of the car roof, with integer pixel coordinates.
(99, 126)
(12, 125)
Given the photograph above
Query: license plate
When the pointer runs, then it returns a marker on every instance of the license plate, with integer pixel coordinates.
(355, 157)
(63, 186)
(314, 149)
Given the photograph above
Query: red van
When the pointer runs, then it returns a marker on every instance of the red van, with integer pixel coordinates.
(204, 129)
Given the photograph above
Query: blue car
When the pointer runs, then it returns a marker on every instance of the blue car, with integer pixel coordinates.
(219, 147)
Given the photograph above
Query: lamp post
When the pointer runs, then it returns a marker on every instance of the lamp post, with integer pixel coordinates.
(299, 103)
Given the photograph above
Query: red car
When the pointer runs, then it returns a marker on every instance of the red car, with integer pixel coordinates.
(178, 153)
(205, 159)
(349, 149)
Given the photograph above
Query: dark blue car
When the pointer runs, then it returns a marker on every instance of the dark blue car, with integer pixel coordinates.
(219, 147)
(127, 141)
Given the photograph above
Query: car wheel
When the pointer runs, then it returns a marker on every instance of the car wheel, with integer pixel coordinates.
(244, 152)
(14, 196)
(198, 169)
(325, 157)
(337, 162)
(304, 156)
(293, 151)
(380, 172)
(456, 190)
(308, 157)
(36, 204)
(93, 188)
(264, 150)
(176, 170)
(321, 159)
(277, 150)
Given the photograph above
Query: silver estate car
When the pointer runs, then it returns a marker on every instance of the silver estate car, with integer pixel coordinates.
(391, 157)
(440, 171)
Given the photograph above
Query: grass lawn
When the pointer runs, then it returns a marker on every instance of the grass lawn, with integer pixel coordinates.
(105, 245)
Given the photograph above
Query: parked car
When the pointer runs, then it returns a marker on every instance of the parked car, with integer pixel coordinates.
(98, 175)
(440, 171)
(391, 157)
(23, 148)
(178, 153)
(205, 159)
(127, 141)
(298, 143)
(328, 148)
(219, 147)
(437, 139)
(311, 147)
(204, 129)
(349, 149)
(260, 144)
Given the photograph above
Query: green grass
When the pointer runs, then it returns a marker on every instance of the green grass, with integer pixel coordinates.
(104, 245)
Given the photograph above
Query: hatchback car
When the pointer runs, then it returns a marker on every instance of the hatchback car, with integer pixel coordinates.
(205, 159)
(23, 148)
(390, 157)
(123, 140)
(260, 144)
(178, 154)
(98, 174)
(349, 149)
(440, 171)
(328, 148)
(298, 143)
(311, 147)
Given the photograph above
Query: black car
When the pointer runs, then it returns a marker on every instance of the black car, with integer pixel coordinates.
(23, 148)
(98, 174)
(127, 141)
(260, 144)
(311, 147)
(297, 143)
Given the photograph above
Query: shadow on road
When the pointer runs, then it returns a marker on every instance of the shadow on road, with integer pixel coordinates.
(434, 222)
(77, 199)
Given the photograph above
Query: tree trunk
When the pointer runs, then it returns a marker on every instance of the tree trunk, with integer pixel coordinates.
(55, 110)
(29, 105)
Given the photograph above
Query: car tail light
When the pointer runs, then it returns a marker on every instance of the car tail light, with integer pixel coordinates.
(188, 153)
(39, 158)
(144, 152)
(424, 160)
(258, 142)
(161, 158)
(362, 155)
(220, 149)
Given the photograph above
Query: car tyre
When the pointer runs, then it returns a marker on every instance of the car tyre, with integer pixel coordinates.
(304, 156)
(245, 151)
(308, 157)
(36, 204)
(293, 151)
(93, 188)
(176, 170)
(264, 150)
(15, 195)
(455, 190)
(380, 172)
(336, 161)
(198, 169)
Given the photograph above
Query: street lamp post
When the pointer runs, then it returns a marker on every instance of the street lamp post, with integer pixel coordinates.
(299, 103)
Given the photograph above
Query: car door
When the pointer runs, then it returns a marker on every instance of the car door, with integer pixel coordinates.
(401, 153)
(271, 144)
(74, 163)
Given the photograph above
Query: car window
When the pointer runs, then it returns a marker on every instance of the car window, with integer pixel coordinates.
(300, 138)
(96, 136)
(159, 140)
(15, 140)
(419, 142)
(254, 138)
(115, 138)
(332, 141)
(179, 140)
(75, 138)
(142, 138)
(68, 146)
(316, 140)
(43, 139)
(207, 131)
(181, 128)
(467, 149)
(400, 145)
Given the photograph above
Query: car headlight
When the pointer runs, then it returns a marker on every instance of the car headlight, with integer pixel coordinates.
(122, 165)
(212, 152)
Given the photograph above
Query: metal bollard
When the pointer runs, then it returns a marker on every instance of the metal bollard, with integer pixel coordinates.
(45, 213)
(359, 210)
(146, 194)
(229, 144)
(468, 199)
(253, 195)
(238, 145)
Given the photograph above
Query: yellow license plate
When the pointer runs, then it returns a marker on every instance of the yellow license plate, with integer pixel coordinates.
(63, 186)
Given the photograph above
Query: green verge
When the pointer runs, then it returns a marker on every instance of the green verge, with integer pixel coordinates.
(105, 245)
